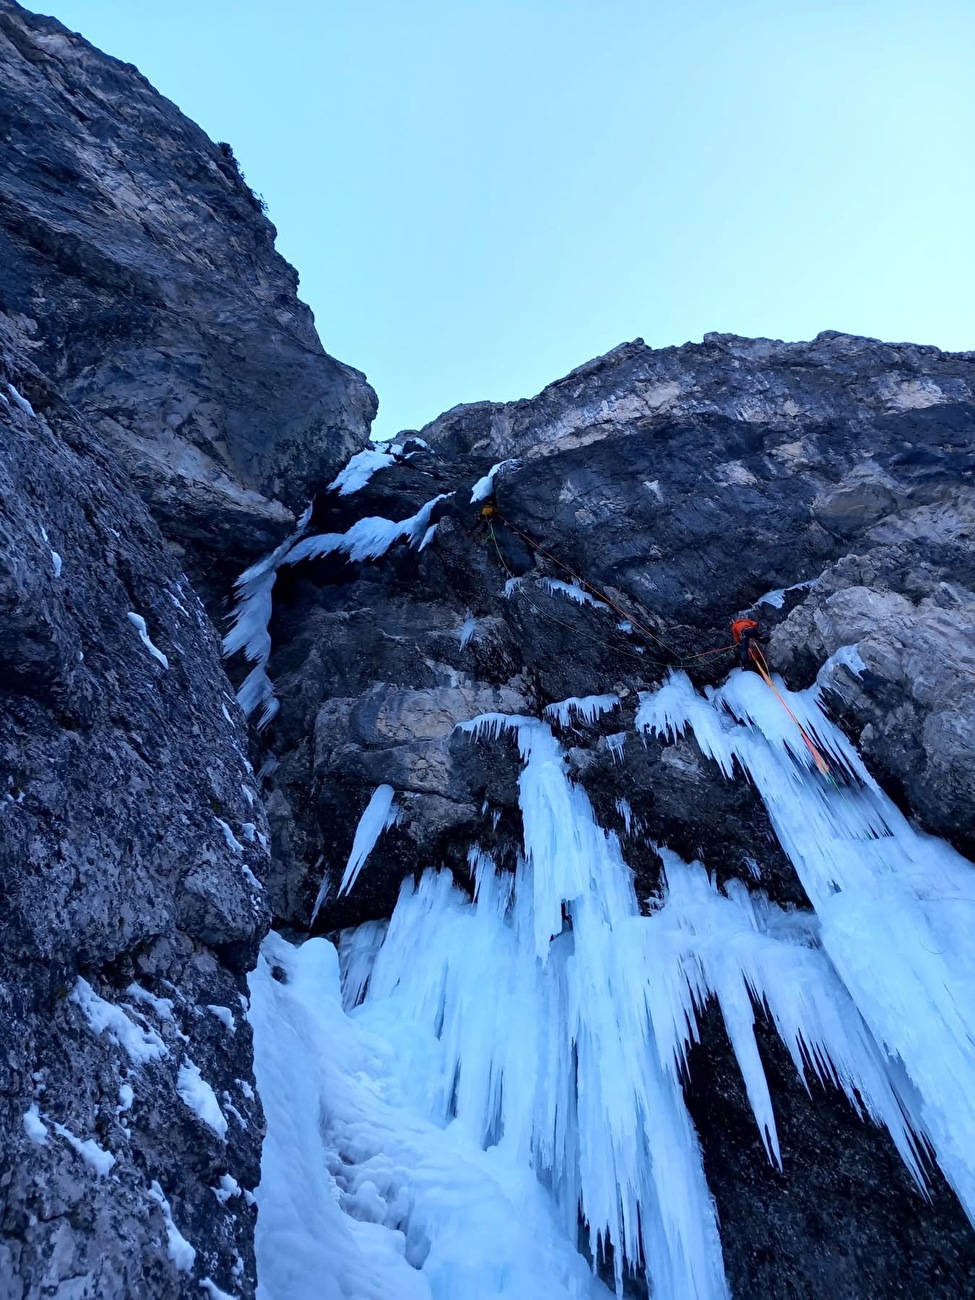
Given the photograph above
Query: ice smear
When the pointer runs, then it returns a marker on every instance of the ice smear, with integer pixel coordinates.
(362, 1194)
(485, 486)
(179, 1249)
(56, 563)
(139, 623)
(21, 401)
(573, 591)
(777, 597)
(361, 468)
(200, 1097)
(142, 1045)
(94, 1156)
(585, 708)
(468, 628)
(894, 906)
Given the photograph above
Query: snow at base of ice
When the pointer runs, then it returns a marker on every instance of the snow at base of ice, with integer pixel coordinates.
(363, 1196)
(139, 623)
(197, 1094)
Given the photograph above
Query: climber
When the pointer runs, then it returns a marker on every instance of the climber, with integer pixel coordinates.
(746, 634)
(488, 513)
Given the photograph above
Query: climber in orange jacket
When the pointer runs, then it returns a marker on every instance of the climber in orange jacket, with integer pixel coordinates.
(745, 633)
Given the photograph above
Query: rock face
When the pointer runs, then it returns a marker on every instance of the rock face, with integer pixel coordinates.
(165, 408)
(141, 271)
(826, 485)
(152, 354)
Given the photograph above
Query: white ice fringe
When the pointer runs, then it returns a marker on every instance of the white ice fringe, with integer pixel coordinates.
(485, 486)
(895, 907)
(367, 539)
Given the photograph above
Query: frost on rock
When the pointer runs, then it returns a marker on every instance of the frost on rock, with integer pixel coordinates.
(181, 1253)
(200, 1097)
(139, 623)
(893, 905)
(485, 486)
(379, 814)
(142, 1045)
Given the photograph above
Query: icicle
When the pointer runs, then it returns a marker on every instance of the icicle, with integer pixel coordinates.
(585, 707)
(378, 816)
(887, 897)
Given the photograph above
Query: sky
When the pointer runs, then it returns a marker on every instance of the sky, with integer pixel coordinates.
(480, 195)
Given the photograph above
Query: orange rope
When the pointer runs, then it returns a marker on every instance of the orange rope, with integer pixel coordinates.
(754, 652)
(758, 659)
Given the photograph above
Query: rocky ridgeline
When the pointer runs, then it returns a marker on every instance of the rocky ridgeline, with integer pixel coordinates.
(166, 410)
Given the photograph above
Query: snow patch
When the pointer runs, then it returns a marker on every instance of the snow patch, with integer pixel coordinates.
(142, 1045)
(224, 1015)
(94, 1156)
(484, 487)
(181, 1253)
(139, 623)
(360, 469)
(21, 401)
(34, 1126)
(200, 1097)
(56, 563)
(777, 597)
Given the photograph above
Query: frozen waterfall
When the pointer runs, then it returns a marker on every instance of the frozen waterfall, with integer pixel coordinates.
(507, 1068)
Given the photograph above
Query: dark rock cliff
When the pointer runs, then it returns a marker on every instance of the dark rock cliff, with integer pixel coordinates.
(166, 408)
(152, 354)
(681, 486)
(141, 273)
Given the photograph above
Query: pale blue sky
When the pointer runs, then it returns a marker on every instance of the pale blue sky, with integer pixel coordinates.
(481, 194)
